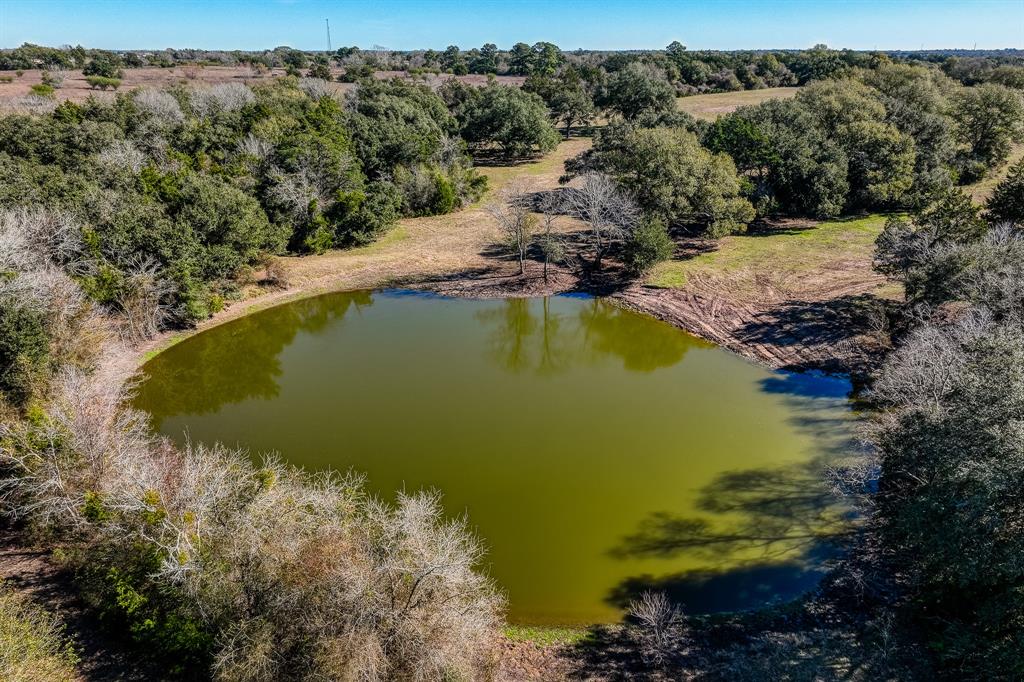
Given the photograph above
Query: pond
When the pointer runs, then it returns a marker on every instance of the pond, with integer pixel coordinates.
(597, 451)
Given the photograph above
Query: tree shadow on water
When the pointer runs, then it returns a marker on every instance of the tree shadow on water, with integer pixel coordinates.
(746, 587)
(807, 385)
(767, 535)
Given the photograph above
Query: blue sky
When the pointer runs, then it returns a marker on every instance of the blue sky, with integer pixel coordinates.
(596, 24)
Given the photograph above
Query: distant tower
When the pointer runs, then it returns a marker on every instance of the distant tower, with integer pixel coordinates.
(328, 34)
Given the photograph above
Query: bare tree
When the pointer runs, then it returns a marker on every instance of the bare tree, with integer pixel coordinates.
(122, 155)
(55, 77)
(163, 109)
(315, 88)
(608, 210)
(551, 246)
(516, 222)
(223, 97)
(659, 627)
(145, 300)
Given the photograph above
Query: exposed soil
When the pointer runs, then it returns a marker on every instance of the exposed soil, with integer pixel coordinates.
(825, 319)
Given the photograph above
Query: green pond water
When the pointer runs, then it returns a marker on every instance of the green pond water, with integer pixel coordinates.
(597, 451)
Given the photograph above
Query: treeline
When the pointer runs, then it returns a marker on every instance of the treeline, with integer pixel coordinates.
(886, 138)
(201, 184)
(688, 72)
(944, 494)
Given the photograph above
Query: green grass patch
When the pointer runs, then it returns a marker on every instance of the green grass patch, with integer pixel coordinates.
(33, 645)
(786, 252)
(171, 341)
(397, 234)
(546, 636)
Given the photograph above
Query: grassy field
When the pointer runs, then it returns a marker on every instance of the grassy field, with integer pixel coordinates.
(710, 107)
(789, 261)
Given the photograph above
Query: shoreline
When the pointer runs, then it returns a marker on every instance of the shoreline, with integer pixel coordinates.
(705, 317)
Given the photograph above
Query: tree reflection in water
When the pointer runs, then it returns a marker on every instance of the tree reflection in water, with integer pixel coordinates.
(209, 372)
(527, 336)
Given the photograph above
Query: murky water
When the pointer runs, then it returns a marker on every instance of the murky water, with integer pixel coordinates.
(598, 452)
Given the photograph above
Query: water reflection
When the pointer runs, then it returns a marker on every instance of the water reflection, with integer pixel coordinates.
(238, 362)
(597, 451)
(643, 347)
(525, 335)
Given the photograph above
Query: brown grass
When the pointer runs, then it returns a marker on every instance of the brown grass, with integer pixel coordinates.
(710, 107)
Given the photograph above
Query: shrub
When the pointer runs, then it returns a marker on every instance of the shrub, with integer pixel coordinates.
(658, 628)
(55, 78)
(320, 70)
(221, 98)
(1007, 200)
(162, 108)
(648, 245)
(24, 349)
(32, 643)
(356, 72)
(102, 82)
(42, 90)
(102, 66)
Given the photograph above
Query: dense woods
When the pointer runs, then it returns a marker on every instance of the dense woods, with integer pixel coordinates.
(125, 216)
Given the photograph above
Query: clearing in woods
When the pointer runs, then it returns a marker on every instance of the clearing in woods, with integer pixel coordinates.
(710, 107)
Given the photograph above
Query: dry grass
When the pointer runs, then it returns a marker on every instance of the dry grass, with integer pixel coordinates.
(32, 642)
(432, 246)
(710, 107)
